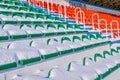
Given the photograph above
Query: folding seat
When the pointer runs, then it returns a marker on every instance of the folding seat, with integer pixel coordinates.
(27, 55)
(19, 44)
(10, 27)
(40, 16)
(30, 16)
(5, 17)
(111, 59)
(31, 31)
(99, 68)
(13, 8)
(18, 14)
(32, 9)
(3, 35)
(7, 60)
(93, 38)
(8, 2)
(45, 50)
(14, 31)
(18, 3)
(85, 37)
(35, 77)
(68, 41)
(85, 72)
(24, 53)
(24, 9)
(44, 30)
(61, 74)
(99, 36)
(21, 17)
(102, 60)
(17, 34)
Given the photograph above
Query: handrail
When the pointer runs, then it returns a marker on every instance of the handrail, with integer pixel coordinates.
(94, 14)
(82, 18)
(117, 25)
(105, 25)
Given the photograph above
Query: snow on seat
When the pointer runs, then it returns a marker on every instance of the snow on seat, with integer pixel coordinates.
(7, 60)
(101, 60)
(48, 52)
(3, 35)
(11, 27)
(99, 68)
(44, 30)
(45, 50)
(3, 17)
(85, 72)
(61, 74)
(27, 55)
(18, 45)
(34, 33)
(17, 34)
(35, 77)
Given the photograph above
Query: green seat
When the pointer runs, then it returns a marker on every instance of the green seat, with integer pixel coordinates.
(23, 8)
(93, 37)
(112, 50)
(97, 55)
(8, 66)
(12, 7)
(69, 26)
(51, 26)
(85, 59)
(18, 36)
(29, 16)
(77, 27)
(4, 38)
(3, 6)
(61, 26)
(49, 17)
(99, 36)
(5, 13)
(32, 10)
(50, 55)
(85, 37)
(107, 53)
(8, 61)
(17, 3)
(28, 61)
(74, 38)
(65, 39)
(17, 14)
(8, 2)
(40, 16)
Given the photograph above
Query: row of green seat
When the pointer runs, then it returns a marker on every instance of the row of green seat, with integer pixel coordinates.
(104, 55)
(44, 57)
(23, 8)
(90, 37)
(28, 15)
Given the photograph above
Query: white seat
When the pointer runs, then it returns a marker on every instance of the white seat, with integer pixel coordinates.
(3, 33)
(85, 72)
(34, 77)
(11, 27)
(26, 53)
(16, 32)
(6, 57)
(99, 68)
(60, 74)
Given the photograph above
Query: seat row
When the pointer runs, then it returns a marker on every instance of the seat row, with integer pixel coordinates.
(25, 52)
(96, 68)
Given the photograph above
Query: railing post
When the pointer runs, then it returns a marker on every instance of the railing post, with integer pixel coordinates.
(95, 14)
(111, 24)
(105, 25)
